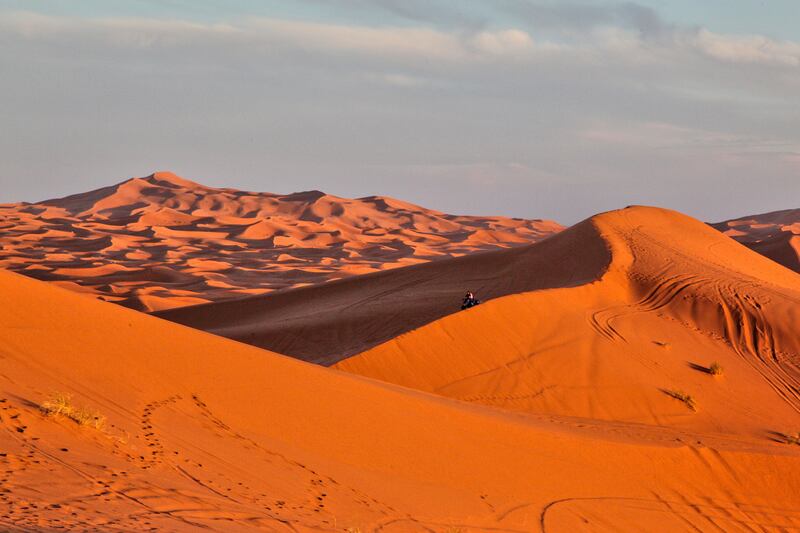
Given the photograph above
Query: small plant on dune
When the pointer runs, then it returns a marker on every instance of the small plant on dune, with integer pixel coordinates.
(688, 399)
(60, 404)
(353, 530)
(715, 369)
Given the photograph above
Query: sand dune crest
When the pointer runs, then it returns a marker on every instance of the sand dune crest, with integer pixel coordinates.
(269, 241)
(616, 347)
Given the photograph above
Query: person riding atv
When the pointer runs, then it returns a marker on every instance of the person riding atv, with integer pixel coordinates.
(469, 301)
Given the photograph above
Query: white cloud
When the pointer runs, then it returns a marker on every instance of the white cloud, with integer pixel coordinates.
(747, 49)
(503, 42)
(416, 43)
(398, 79)
(667, 136)
(398, 42)
(123, 32)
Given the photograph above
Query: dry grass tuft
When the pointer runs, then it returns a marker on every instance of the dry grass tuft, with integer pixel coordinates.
(715, 369)
(688, 399)
(60, 404)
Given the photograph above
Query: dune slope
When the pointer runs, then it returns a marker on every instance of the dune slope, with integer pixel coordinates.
(326, 323)
(635, 345)
(775, 235)
(163, 241)
(202, 432)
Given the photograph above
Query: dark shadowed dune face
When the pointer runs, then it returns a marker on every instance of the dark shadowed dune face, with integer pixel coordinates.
(162, 241)
(326, 323)
(775, 235)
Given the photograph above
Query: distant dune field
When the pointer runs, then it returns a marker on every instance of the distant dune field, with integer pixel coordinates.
(162, 241)
(775, 235)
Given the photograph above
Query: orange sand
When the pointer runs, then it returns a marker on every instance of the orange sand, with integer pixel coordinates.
(203, 432)
(259, 242)
(325, 323)
(577, 397)
(662, 311)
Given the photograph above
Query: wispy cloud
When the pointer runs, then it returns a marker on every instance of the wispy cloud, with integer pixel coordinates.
(747, 49)
(413, 42)
(550, 91)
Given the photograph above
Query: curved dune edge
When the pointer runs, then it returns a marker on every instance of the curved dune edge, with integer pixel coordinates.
(662, 313)
(329, 322)
(205, 432)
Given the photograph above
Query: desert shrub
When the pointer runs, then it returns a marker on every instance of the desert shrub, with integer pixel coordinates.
(715, 369)
(688, 399)
(60, 404)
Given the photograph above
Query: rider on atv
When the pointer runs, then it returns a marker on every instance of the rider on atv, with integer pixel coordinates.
(469, 301)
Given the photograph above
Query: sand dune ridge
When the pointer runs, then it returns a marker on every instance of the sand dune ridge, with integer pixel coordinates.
(215, 244)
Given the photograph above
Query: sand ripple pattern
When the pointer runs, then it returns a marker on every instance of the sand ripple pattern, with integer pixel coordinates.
(161, 241)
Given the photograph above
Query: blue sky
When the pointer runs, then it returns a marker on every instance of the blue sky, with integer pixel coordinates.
(528, 108)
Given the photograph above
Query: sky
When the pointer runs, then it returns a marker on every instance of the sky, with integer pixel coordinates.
(526, 108)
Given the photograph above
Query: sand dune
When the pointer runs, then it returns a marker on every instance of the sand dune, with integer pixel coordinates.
(326, 323)
(623, 346)
(775, 235)
(202, 432)
(117, 241)
(579, 396)
(604, 320)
